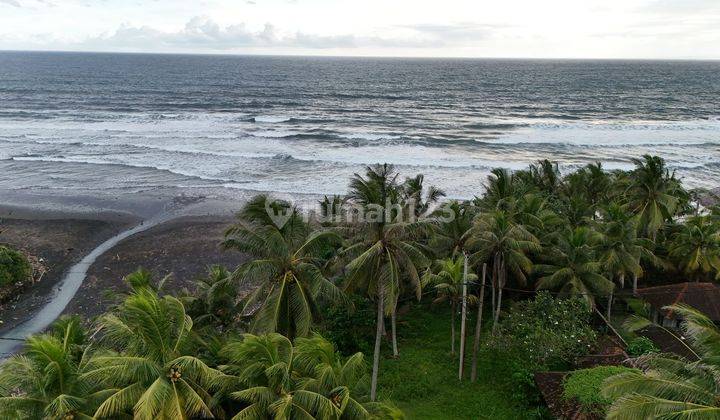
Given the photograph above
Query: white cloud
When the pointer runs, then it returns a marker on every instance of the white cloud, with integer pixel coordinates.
(492, 28)
(203, 33)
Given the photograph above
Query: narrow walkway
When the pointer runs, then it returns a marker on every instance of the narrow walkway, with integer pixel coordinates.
(65, 290)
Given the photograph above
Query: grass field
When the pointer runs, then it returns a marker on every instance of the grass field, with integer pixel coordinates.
(423, 381)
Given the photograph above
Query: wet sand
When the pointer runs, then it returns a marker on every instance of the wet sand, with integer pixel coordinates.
(60, 243)
(182, 248)
(64, 230)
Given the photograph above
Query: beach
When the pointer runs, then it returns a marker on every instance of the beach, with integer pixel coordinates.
(60, 231)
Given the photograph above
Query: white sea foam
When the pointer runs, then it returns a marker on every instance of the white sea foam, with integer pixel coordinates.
(271, 118)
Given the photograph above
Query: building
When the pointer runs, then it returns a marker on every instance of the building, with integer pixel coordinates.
(704, 297)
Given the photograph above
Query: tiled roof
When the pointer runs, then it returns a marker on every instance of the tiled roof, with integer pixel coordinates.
(705, 297)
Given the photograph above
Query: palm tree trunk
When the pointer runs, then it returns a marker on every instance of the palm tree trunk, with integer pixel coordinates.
(635, 279)
(478, 328)
(501, 284)
(610, 302)
(452, 328)
(378, 339)
(497, 311)
(494, 282)
(393, 324)
(463, 316)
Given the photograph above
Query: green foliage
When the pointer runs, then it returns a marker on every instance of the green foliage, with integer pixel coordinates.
(696, 248)
(423, 380)
(573, 268)
(275, 379)
(548, 333)
(641, 346)
(350, 327)
(585, 385)
(543, 334)
(46, 381)
(150, 367)
(286, 273)
(669, 387)
(14, 266)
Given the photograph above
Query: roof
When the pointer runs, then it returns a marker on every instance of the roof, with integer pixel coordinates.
(668, 342)
(705, 297)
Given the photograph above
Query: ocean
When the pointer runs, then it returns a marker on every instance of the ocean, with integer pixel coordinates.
(115, 123)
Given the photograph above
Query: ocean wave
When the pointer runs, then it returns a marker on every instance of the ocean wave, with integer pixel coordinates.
(271, 118)
(86, 161)
(371, 137)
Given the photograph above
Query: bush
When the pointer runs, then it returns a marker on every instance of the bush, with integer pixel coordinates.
(584, 386)
(641, 346)
(350, 329)
(548, 333)
(14, 266)
(543, 334)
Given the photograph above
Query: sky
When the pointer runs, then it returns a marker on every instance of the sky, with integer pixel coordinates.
(672, 29)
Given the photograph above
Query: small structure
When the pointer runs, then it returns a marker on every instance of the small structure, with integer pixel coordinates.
(705, 297)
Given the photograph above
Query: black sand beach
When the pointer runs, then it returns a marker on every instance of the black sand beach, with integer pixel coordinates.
(61, 230)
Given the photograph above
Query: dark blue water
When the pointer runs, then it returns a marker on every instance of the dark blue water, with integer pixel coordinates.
(138, 122)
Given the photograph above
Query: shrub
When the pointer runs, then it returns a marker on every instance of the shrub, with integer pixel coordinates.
(543, 334)
(584, 387)
(548, 333)
(14, 266)
(350, 329)
(641, 346)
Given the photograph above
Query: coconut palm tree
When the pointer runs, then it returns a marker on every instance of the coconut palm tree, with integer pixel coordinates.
(654, 194)
(544, 176)
(620, 250)
(46, 381)
(696, 247)
(413, 189)
(213, 303)
(451, 230)
(276, 380)
(502, 185)
(573, 267)
(533, 212)
(286, 272)
(448, 283)
(590, 185)
(670, 387)
(151, 368)
(506, 246)
(384, 254)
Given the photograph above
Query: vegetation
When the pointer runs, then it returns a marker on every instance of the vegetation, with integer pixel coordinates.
(448, 283)
(14, 266)
(308, 380)
(286, 270)
(555, 247)
(670, 387)
(543, 334)
(423, 382)
(585, 385)
(641, 346)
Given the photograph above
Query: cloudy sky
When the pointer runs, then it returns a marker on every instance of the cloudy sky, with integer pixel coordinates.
(463, 28)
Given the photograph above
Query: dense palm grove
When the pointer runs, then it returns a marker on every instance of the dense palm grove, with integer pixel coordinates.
(245, 343)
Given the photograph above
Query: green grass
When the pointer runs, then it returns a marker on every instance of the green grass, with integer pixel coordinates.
(423, 381)
(585, 385)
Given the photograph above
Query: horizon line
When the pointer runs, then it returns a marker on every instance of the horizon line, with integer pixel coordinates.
(232, 54)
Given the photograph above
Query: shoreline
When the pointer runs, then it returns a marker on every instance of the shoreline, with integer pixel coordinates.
(90, 242)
